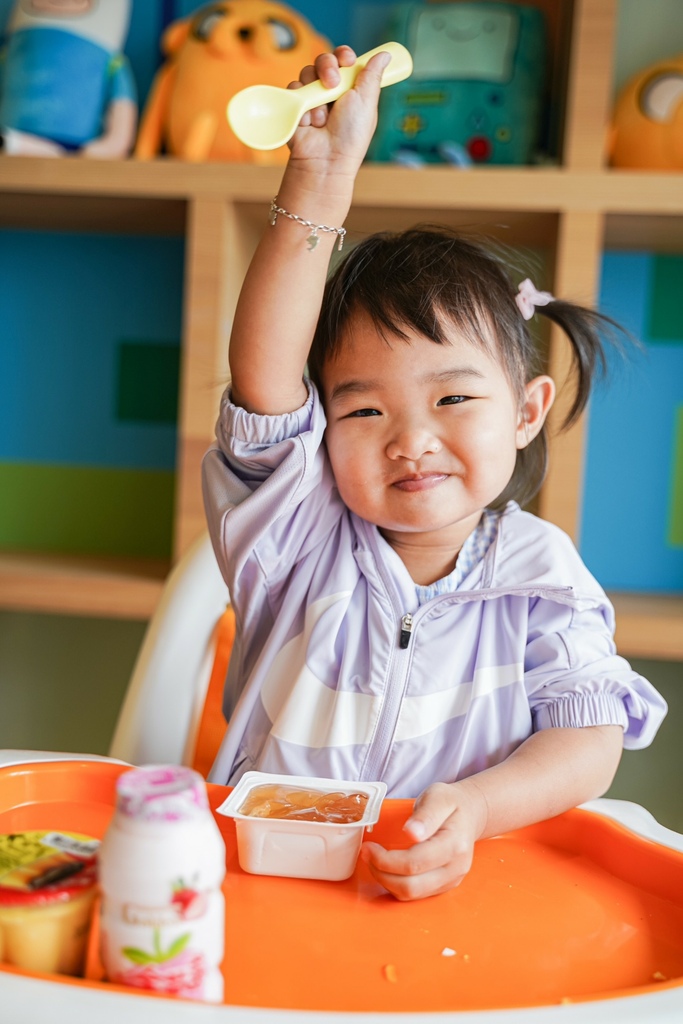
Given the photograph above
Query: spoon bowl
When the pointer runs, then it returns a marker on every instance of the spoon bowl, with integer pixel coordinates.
(266, 116)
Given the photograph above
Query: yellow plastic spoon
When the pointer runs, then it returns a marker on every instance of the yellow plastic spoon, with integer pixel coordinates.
(266, 116)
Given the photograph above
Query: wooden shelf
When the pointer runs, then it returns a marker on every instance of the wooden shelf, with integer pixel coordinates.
(552, 189)
(521, 206)
(569, 212)
(648, 625)
(103, 587)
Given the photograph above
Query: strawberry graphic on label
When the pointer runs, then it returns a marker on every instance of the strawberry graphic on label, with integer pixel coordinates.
(188, 901)
(176, 970)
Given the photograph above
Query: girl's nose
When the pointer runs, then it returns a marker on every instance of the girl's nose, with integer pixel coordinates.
(412, 442)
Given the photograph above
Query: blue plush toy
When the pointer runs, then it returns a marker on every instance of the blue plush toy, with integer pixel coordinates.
(477, 88)
(65, 85)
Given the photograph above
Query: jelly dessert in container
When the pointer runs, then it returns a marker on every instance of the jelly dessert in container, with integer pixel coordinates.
(48, 884)
(300, 826)
(162, 864)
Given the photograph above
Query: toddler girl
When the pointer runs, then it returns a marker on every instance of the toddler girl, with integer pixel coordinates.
(399, 617)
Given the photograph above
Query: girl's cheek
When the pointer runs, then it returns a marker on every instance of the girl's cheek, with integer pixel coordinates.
(341, 453)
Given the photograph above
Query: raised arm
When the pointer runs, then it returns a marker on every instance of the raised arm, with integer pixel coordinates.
(280, 299)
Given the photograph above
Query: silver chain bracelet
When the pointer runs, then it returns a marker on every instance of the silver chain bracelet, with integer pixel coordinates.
(314, 228)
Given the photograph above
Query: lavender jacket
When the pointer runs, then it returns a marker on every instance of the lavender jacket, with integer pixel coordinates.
(319, 683)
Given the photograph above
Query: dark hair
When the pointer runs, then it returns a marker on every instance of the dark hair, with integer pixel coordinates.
(427, 276)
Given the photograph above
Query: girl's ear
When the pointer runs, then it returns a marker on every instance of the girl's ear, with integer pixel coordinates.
(539, 395)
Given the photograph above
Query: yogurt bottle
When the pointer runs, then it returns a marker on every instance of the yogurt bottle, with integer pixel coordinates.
(162, 862)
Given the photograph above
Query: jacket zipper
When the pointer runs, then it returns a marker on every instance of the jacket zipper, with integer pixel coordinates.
(381, 745)
(407, 622)
(406, 631)
(397, 678)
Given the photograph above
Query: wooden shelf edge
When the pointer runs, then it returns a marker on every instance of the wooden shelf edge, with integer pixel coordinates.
(553, 189)
(649, 625)
(98, 587)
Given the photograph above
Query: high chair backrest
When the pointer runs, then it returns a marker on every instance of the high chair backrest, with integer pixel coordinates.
(171, 713)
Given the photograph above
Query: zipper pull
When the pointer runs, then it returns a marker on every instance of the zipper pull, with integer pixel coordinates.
(406, 631)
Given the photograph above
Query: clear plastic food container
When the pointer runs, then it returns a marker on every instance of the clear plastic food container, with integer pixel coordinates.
(295, 848)
(48, 883)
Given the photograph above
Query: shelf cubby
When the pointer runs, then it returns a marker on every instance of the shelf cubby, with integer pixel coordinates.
(570, 212)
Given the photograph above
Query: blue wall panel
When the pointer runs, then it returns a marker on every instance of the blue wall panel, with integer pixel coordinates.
(631, 448)
(68, 303)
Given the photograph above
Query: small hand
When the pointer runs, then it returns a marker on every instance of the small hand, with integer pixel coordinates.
(340, 130)
(446, 821)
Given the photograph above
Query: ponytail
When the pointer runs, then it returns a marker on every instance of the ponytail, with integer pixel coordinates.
(587, 332)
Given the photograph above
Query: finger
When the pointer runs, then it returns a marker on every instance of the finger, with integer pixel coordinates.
(327, 70)
(319, 116)
(415, 887)
(345, 56)
(370, 78)
(445, 848)
(307, 75)
(430, 810)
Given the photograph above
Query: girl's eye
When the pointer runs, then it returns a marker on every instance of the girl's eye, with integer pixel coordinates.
(364, 412)
(452, 400)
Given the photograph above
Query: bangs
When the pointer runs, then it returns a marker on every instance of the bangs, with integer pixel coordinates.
(427, 281)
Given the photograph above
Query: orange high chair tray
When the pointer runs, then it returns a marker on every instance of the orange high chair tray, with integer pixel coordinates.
(576, 909)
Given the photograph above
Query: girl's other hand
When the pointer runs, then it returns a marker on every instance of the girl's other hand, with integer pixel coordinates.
(446, 822)
(341, 131)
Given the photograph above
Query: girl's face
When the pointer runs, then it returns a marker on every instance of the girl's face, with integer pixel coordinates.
(422, 437)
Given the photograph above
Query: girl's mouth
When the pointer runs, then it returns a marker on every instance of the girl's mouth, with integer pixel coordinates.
(420, 481)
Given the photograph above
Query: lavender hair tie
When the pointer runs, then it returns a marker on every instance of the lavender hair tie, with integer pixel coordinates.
(529, 297)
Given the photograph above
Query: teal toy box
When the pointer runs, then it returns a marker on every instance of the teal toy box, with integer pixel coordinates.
(476, 94)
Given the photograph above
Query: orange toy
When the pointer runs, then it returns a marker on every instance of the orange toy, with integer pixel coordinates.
(222, 48)
(647, 127)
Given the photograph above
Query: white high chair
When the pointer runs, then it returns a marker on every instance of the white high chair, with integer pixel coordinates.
(161, 715)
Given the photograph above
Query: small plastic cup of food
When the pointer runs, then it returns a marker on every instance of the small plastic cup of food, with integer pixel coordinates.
(299, 826)
(48, 884)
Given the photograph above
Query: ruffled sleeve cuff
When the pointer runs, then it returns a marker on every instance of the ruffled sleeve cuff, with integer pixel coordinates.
(579, 710)
(237, 428)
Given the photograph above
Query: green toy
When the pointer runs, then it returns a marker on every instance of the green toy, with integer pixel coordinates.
(477, 88)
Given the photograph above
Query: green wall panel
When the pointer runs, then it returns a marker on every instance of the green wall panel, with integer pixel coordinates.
(147, 382)
(666, 308)
(86, 510)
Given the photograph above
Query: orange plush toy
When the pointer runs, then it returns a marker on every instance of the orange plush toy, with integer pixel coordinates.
(222, 48)
(647, 127)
